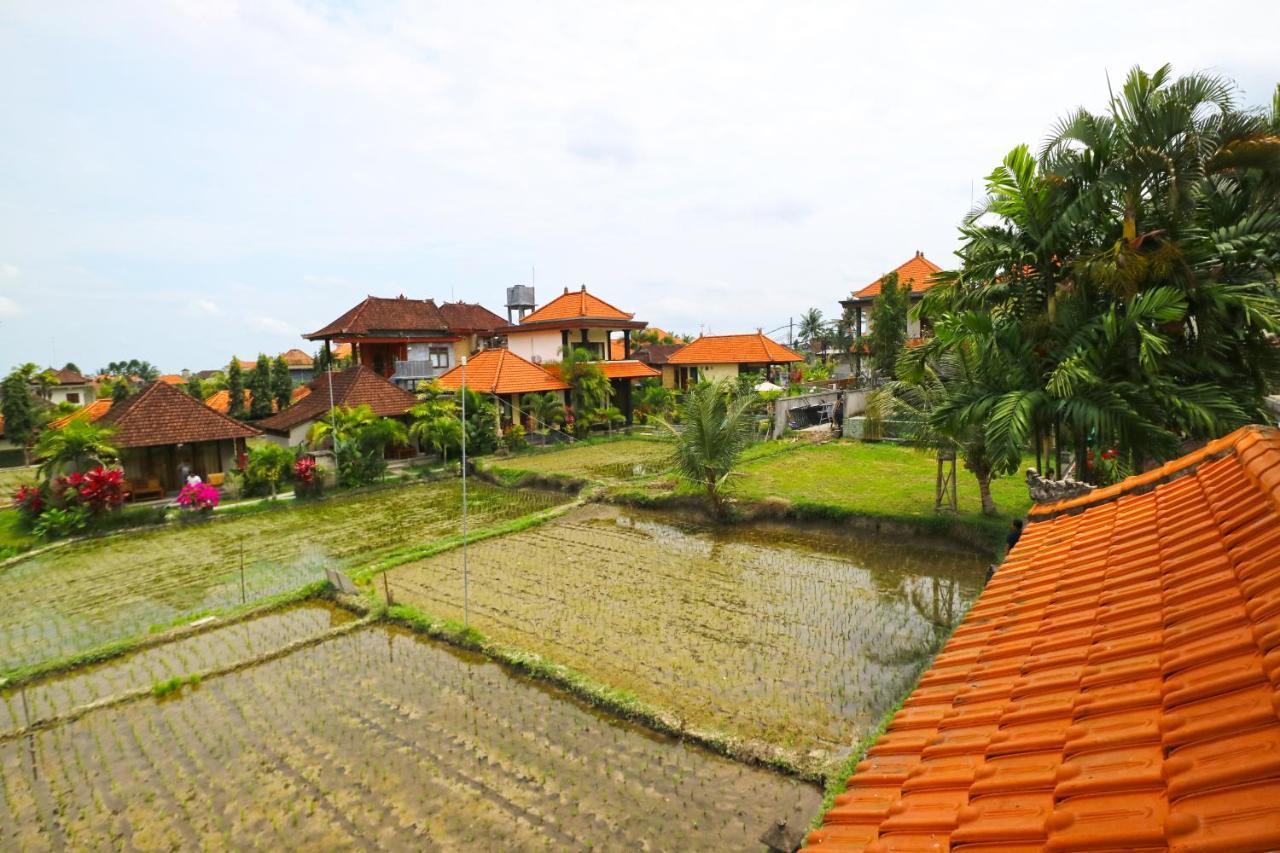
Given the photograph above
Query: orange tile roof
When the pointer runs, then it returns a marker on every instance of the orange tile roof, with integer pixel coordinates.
(575, 305)
(620, 369)
(172, 379)
(755, 348)
(1116, 686)
(160, 414)
(500, 371)
(89, 413)
(917, 272)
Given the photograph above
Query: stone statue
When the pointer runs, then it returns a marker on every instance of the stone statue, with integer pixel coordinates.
(1044, 490)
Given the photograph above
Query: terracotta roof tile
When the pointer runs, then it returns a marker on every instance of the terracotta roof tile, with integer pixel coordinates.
(297, 358)
(755, 348)
(576, 304)
(917, 272)
(500, 371)
(470, 317)
(628, 369)
(89, 413)
(70, 377)
(379, 315)
(1116, 686)
(220, 401)
(161, 414)
(355, 386)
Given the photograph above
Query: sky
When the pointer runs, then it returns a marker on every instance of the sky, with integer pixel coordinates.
(183, 181)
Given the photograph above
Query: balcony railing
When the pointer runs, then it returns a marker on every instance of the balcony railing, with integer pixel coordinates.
(413, 370)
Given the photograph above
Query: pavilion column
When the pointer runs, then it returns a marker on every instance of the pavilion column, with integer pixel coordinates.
(626, 400)
(626, 345)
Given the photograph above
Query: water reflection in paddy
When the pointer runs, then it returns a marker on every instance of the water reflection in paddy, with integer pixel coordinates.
(799, 637)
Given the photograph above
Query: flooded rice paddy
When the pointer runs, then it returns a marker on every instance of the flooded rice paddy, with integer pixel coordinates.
(623, 459)
(73, 598)
(219, 645)
(801, 639)
(376, 739)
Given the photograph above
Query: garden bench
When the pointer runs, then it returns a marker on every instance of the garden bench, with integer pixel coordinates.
(151, 488)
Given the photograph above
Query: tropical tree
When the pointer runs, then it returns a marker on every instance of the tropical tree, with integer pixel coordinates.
(482, 424)
(194, 387)
(888, 321)
(360, 439)
(269, 463)
(715, 426)
(78, 446)
(281, 383)
(654, 401)
(588, 384)
(235, 389)
(437, 424)
(546, 409)
(145, 371)
(260, 389)
(120, 390)
(813, 331)
(20, 417)
(1126, 275)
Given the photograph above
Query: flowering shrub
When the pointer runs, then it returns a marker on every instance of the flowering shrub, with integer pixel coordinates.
(55, 522)
(307, 478)
(29, 501)
(201, 496)
(99, 490)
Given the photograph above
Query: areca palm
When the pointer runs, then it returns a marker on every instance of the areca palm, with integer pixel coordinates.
(77, 446)
(546, 409)
(715, 426)
(438, 424)
(1124, 281)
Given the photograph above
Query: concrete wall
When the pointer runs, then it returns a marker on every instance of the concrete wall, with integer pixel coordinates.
(296, 436)
(535, 346)
(85, 394)
(783, 406)
(714, 372)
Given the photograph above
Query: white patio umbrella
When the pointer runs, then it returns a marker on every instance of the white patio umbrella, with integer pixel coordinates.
(768, 386)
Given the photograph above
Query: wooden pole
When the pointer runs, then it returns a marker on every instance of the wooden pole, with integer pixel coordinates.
(242, 595)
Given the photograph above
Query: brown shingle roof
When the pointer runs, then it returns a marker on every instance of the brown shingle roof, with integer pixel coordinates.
(500, 371)
(576, 304)
(297, 358)
(470, 317)
(378, 315)
(1115, 687)
(355, 386)
(755, 348)
(161, 414)
(71, 377)
(917, 272)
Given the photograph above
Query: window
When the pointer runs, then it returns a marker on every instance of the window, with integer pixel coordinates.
(73, 397)
(440, 357)
(595, 348)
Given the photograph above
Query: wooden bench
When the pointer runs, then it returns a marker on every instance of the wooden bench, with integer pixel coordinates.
(150, 489)
(216, 479)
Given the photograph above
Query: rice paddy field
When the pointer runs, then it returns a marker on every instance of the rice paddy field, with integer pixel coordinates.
(801, 639)
(373, 739)
(622, 459)
(72, 598)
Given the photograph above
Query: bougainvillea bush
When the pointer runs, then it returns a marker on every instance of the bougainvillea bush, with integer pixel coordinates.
(308, 478)
(200, 496)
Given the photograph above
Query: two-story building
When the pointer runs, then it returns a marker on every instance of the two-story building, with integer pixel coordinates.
(579, 320)
(919, 273)
(410, 341)
(70, 387)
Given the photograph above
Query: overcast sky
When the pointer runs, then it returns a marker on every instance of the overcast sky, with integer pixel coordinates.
(181, 181)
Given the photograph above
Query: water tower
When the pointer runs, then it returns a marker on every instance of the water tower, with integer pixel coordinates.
(520, 301)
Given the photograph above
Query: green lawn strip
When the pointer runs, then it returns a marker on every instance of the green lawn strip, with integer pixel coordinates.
(620, 703)
(448, 543)
(159, 634)
(837, 779)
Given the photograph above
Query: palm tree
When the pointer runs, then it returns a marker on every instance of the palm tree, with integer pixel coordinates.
(360, 439)
(78, 446)
(590, 387)
(1122, 282)
(546, 409)
(437, 424)
(812, 329)
(715, 426)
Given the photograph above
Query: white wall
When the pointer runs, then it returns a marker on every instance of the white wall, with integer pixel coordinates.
(534, 346)
(58, 394)
(296, 436)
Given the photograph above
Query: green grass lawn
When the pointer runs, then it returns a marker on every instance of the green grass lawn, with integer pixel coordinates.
(601, 461)
(873, 478)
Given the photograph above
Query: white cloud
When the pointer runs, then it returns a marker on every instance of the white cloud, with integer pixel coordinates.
(9, 308)
(9, 271)
(272, 326)
(207, 307)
